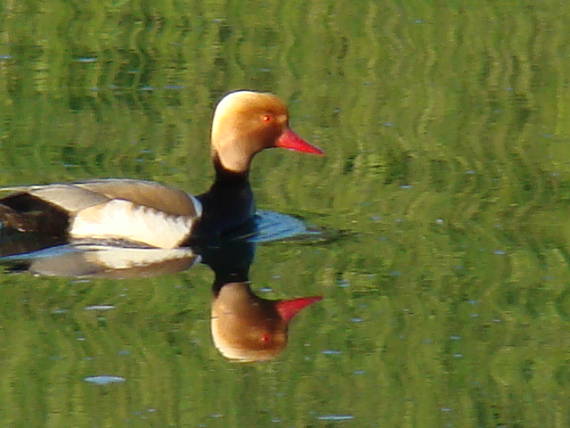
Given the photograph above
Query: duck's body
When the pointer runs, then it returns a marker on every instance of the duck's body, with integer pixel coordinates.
(151, 214)
(132, 211)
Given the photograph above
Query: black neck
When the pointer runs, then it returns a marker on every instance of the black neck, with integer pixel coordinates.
(228, 204)
(230, 262)
(225, 176)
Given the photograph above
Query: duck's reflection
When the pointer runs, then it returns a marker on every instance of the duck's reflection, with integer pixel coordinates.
(99, 261)
(244, 326)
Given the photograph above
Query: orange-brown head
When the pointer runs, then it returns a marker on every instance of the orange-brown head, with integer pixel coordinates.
(246, 122)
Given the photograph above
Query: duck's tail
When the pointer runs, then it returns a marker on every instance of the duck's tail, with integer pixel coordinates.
(12, 219)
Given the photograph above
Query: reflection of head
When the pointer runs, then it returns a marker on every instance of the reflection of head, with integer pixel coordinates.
(248, 328)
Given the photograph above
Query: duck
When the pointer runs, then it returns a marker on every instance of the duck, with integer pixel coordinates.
(149, 214)
(248, 328)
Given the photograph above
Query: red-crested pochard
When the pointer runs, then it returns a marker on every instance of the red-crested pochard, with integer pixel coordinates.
(151, 214)
(246, 327)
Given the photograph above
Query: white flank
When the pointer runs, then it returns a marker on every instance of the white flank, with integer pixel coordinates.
(120, 219)
(126, 258)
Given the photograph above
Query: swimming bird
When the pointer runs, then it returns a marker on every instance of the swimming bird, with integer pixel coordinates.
(149, 214)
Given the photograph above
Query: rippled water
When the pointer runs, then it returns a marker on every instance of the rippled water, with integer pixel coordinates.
(435, 228)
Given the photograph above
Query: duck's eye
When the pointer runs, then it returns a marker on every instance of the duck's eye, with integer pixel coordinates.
(267, 118)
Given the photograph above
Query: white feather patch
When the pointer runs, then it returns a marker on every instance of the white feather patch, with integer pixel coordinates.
(126, 258)
(120, 219)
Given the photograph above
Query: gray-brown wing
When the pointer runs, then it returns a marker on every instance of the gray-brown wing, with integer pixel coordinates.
(67, 196)
(74, 197)
(147, 193)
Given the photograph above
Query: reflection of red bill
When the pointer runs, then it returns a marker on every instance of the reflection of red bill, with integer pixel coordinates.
(289, 308)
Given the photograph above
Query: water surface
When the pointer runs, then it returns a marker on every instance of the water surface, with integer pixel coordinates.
(446, 299)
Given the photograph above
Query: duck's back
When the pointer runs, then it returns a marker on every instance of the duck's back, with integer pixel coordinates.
(137, 211)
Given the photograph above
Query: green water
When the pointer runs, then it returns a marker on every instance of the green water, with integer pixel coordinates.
(447, 132)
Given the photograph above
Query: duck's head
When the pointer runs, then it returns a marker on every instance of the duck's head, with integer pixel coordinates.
(246, 122)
